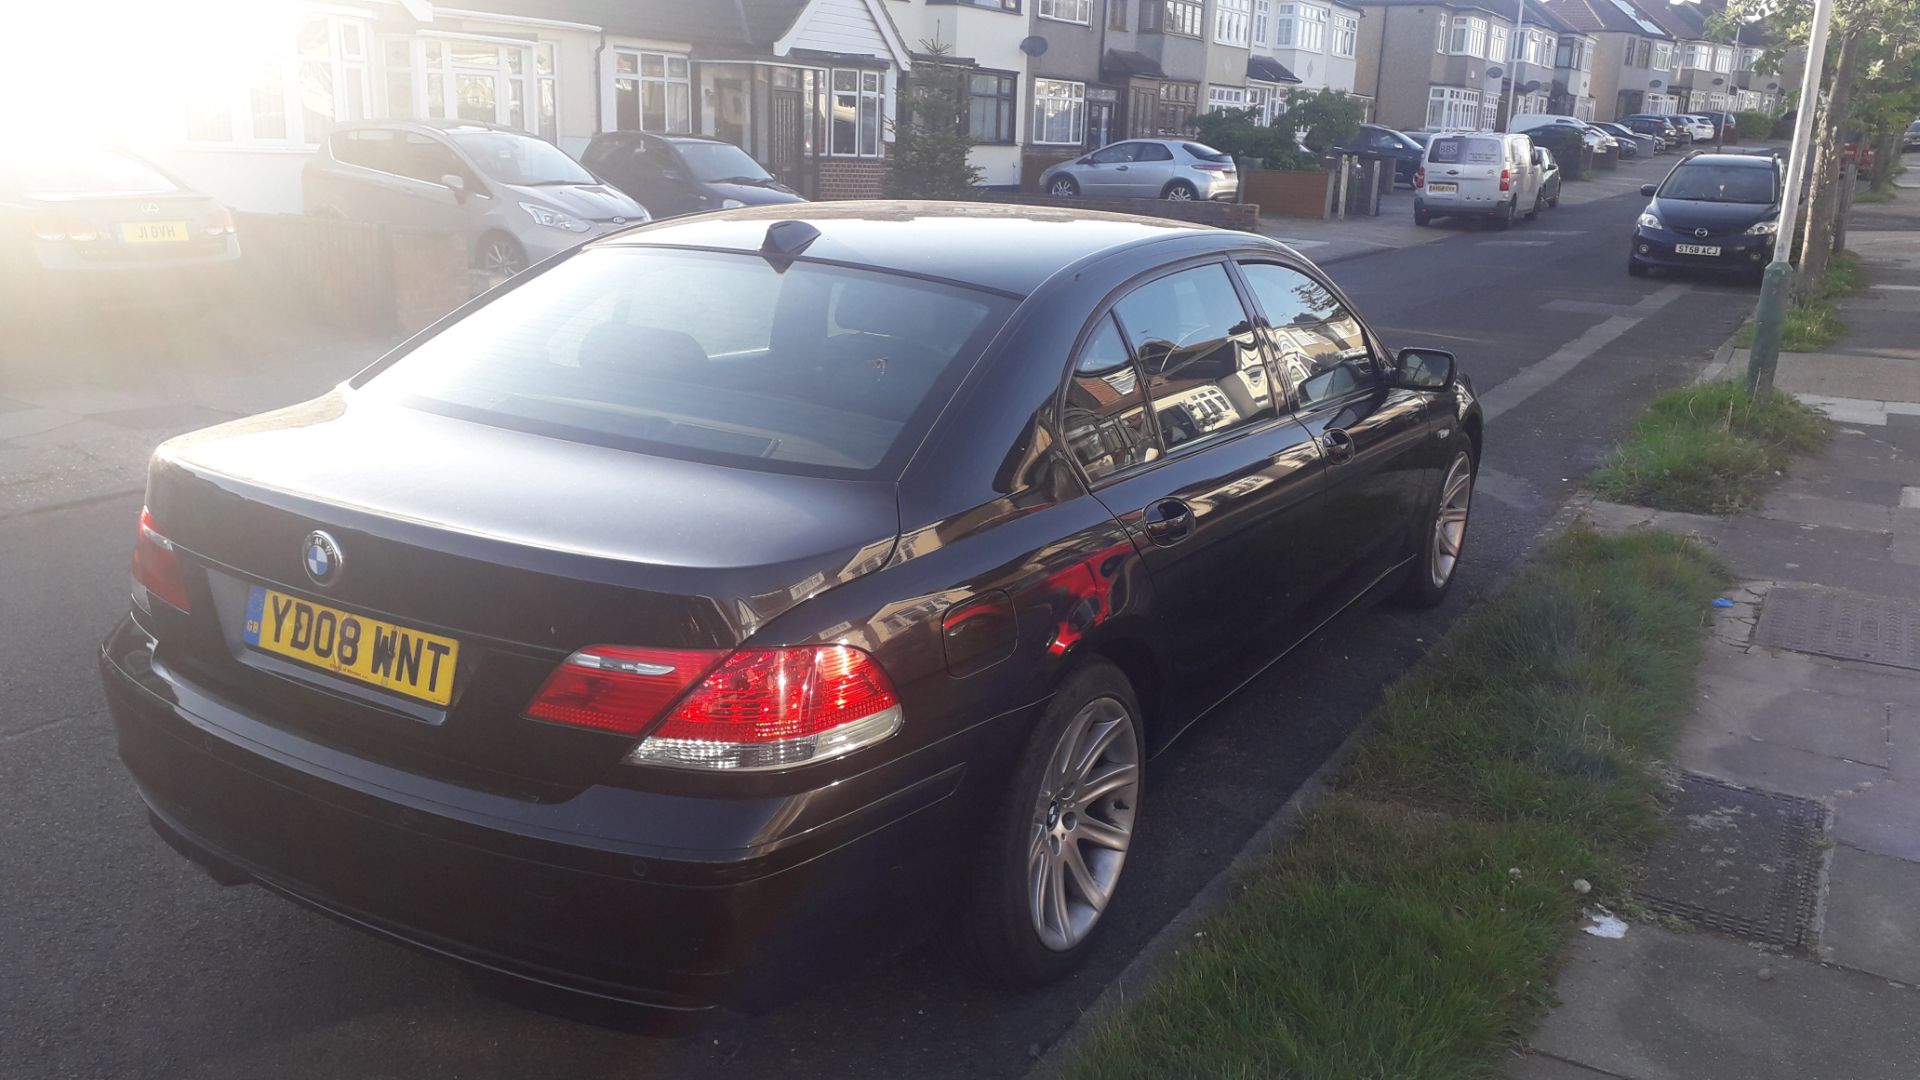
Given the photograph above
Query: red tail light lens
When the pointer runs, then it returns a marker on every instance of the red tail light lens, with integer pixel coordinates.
(757, 709)
(1420, 177)
(220, 222)
(44, 227)
(1506, 179)
(156, 569)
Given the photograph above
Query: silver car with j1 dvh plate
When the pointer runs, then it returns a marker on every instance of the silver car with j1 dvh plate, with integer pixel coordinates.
(1174, 169)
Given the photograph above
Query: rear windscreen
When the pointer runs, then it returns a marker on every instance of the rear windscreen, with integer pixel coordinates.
(1464, 150)
(82, 171)
(709, 355)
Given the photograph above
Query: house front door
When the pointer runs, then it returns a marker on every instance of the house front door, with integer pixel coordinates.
(790, 135)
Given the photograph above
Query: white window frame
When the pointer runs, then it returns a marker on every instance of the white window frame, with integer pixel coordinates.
(1053, 99)
(666, 80)
(1311, 34)
(869, 91)
(536, 81)
(1469, 36)
(1662, 104)
(1662, 56)
(1723, 61)
(1345, 40)
(1497, 43)
(1453, 108)
(1226, 97)
(1262, 20)
(1230, 21)
(1489, 112)
(1583, 108)
(1699, 56)
(286, 73)
(1067, 11)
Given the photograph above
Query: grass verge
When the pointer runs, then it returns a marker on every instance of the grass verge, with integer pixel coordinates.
(1709, 449)
(1875, 196)
(1410, 928)
(1813, 324)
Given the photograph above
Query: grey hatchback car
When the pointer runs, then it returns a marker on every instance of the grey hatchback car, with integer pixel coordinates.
(1177, 169)
(514, 198)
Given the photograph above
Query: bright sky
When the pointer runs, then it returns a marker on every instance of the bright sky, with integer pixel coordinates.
(115, 69)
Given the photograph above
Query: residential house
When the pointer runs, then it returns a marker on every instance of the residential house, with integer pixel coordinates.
(1437, 65)
(1304, 43)
(1073, 109)
(1156, 55)
(807, 86)
(1633, 56)
(982, 37)
(1573, 59)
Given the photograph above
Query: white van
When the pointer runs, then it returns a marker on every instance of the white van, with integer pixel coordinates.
(1527, 121)
(1477, 174)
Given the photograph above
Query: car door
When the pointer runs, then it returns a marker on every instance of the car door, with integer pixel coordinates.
(1175, 417)
(1152, 170)
(1372, 435)
(1107, 169)
(660, 179)
(363, 182)
(426, 202)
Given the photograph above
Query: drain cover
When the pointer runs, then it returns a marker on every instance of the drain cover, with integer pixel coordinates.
(1841, 624)
(1740, 861)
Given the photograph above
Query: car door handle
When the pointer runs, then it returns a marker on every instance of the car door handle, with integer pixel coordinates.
(1167, 522)
(1121, 168)
(1338, 446)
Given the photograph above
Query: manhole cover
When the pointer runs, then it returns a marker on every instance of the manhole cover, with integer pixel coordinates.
(1740, 861)
(1841, 624)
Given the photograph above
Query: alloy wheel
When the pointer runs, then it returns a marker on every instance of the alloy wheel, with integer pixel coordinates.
(1450, 524)
(1062, 187)
(1083, 822)
(501, 259)
(1179, 193)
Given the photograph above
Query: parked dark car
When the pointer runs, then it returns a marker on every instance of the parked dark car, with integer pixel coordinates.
(683, 174)
(1550, 178)
(99, 224)
(1662, 133)
(1712, 212)
(740, 584)
(1405, 151)
(1910, 139)
(1679, 134)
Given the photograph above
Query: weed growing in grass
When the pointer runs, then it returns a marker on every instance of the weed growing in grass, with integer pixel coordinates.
(1709, 449)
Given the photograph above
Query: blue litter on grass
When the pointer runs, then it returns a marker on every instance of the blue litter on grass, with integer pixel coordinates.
(1721, 601)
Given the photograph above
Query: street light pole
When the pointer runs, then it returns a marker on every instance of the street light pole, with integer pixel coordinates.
(1513, 66)
(1770, 314)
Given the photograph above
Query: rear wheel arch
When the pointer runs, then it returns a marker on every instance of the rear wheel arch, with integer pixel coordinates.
(1139, 663)
(1473, 427)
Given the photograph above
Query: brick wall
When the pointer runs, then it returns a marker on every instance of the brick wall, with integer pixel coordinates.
(372, 278)
(1223, 215)
(851, 179)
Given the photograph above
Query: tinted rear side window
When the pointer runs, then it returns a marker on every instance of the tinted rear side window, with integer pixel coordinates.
(713, 356)
(1467, 150)
(1104, 417)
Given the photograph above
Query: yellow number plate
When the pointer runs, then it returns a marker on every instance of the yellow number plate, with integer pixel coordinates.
(405, 661)
(154, 232)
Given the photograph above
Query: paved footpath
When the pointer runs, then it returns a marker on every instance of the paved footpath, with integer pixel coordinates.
(1809, 706)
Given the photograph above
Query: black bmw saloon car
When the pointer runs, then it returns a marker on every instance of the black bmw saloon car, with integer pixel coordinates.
(1712, 212)
(760, 586)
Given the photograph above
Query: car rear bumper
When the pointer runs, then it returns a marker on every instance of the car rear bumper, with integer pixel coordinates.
(1463, 205)
(1653, 247)
(485, 879)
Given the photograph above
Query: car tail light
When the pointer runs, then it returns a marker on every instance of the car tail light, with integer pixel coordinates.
(44, 227)
(756, 709)
(156, 569)
(1506, 179)
(220, 222)
(1212, 166)
(1420, 177)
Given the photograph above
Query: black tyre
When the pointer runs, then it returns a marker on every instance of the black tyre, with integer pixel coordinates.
(1064, 187)
(1058, 840)
(1421, 216)
(1443, 536)
(1505, 220)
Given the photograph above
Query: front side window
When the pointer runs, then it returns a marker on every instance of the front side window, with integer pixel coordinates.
(856, 113)
(1230, 20)
(710, 356)
(1059, 112)
(990, 105)
(1074, 11)
(1316, 340)
(1198, 353)
(1104, 417)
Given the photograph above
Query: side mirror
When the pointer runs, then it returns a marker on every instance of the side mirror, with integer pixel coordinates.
(456, 184)
(672, 176)
(1649, 189)
(1424, 369)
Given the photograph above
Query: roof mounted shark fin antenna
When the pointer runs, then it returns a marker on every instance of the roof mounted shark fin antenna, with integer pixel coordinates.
(785, 240)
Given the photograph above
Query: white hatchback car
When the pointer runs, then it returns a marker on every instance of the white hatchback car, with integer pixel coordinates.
(1483, 174)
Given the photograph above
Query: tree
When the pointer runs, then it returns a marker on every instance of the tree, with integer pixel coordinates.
(930, 141)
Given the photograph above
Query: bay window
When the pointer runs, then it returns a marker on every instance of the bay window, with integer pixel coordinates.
(1226, 97)
(322, 77)
(1662, 56)
(1469, 36)
(1262, 21)
(1230, 18)
(1497, 43)
(1059, 112)
(1450, 108)
(1184, 17)
(990, 105)
(856, 101)
(1073, 11)
(1346, 35)
(1723, 60)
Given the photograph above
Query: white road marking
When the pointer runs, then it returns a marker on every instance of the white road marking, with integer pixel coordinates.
(1902, 288)
(1515, 243)
(1541, 374)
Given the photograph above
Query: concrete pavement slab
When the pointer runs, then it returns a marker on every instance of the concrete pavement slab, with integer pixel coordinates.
(1871, 683)
(1828, 724)
(1881, 333)
(1657, 1005)
(1822, 510)
(1847, 375)
(1872, 923)
(1882, 817)
(1744, 760)
(1784, 550)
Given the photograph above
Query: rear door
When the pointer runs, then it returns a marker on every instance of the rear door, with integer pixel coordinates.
(1176, 420)
(1152, 170)
(1371, 435)
(1471, 165)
